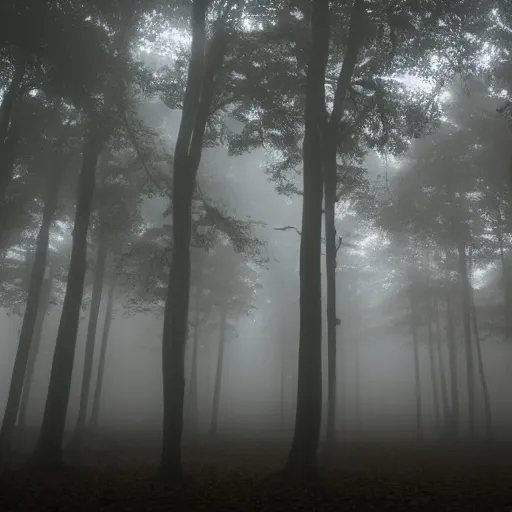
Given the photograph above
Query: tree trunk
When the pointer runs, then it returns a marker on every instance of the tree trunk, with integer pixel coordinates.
(97, 288)
(357, 362)
(29, 319)
(8, 101)
(433, 373)
(342, 384)
(481, 373)
(479, 358)
(303, 454)
(9, 133)
(194, 388)
(8, 154)
(196, 110)
(48, 451)
(417, 378)
(466, 316)
(507, 299)
(454, 378)
(442, 372)
(282, 388)
(46, 293)
(218, 373)
(330, 263)
(95, 412)
(330, 167)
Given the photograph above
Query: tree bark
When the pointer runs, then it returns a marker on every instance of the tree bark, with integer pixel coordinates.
(194, 388)
(302, 457)
(330, 262)
(48, 451)
(282, 386)
(95, 412)
(97, 288)
(9, 100)
(442, 372)
(8, 130)
(196, 110)
(433, 373)
(507, 300)
(218, 373)
(330, 166)
(8, 154)
(357, 361)
(417, 376)
(29, 320)
(466, 316)
(46, 293)
(479, 358)
(454, 378)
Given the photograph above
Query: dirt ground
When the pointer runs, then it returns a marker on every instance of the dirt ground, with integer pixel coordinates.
(236, 474)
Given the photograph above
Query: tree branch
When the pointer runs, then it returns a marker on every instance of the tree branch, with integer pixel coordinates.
(350, 60)
(289, 228)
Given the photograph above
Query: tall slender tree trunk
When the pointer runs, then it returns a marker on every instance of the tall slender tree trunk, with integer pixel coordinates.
(342, 383)
(9, 132)
(357, 364)
(417, 375)
(46, 293)
(303, 454)
(195, 113)
(218, 373)
(282, 387)
(194, 388)
(507, 299)
(8, 155)
(479, 358)
(454, 378)
(481, 373)
(29, 320)
(48, 451)
(9, 99)
(331, 141)
(442, 372)
(466, 316)
(96, 402)
(283, 351)
(330, 260)
(433, 372)
(414, 305)
(97, 288)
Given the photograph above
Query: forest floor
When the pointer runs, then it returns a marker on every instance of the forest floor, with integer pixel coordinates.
(233, 474)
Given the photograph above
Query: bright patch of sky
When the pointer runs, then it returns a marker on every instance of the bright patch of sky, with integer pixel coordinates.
(15, 254)
(251, 25)
(480, 275)
(161, 38)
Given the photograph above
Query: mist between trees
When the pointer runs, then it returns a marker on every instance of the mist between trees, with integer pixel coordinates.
(284, 220)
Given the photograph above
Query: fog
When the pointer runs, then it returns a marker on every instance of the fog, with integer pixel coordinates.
(376, 372)
(243, 237)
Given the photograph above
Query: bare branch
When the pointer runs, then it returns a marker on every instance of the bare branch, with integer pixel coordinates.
(289, 228)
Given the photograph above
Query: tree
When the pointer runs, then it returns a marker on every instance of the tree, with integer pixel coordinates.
(449, 208)
(233, 293)
(51, 168)
(29, 320)
(95, 412)
(45, 298)
(302, 456)
(49, 446)
(203, 67)
(115, 217)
